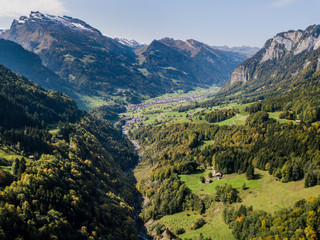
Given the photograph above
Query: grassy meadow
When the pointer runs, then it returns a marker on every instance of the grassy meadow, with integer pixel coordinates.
(263, 193)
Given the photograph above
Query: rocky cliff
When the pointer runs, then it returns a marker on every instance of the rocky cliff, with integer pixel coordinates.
(282, 61)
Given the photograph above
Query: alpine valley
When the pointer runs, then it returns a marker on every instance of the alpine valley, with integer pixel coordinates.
(96, 69)
(107, 138)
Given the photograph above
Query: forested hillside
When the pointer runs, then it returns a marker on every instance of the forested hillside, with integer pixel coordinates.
(289, 152)
(64, 183)
(298, 222)
(24, 103)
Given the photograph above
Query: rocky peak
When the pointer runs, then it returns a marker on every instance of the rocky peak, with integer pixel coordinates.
(278, 51)
(194, 44)
(191, 46)
(46, 19)
(129, 43)
(292, 42)
(171, 42)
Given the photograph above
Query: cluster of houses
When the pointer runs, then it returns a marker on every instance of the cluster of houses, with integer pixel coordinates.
(194, 98)
(215, 176)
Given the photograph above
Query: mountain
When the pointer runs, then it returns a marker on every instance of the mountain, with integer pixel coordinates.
(94, 65)
(28, 64)
(130, 43)
(246, 50)
(95, 69)
(186, 64)
(283, 62)
(68, 181)
(24, 103)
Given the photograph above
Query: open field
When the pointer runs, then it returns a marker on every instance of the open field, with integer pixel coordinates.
(8, 154)
(193, 182)
(214, 227)
(264, 193)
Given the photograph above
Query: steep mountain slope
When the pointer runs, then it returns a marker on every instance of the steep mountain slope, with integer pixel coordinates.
(187, 63)
(28, 64)
(73, 186)
(24, 103)
(91, 63)
(283, 62)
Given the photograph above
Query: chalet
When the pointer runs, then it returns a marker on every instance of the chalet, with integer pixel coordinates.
(207, 180)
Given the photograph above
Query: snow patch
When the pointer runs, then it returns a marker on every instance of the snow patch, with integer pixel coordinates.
(66, 21)
(130, 43)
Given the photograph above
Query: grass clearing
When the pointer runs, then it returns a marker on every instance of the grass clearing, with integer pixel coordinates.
(8, 154)
(192, 181)
(142, 170)
(265, 193)
(275, 115)
(214, 227)
(274, 195)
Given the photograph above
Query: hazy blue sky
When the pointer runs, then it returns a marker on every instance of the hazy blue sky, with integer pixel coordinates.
(216, 22)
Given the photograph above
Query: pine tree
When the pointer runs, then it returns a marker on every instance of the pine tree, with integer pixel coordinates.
(22, 168)
(250, 172)
(310, 180)
(15, 167)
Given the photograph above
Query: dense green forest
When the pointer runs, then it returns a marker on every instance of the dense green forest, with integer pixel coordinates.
(298, 222)
(73, 186)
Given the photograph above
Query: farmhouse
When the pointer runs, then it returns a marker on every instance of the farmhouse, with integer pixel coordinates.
(207, 180)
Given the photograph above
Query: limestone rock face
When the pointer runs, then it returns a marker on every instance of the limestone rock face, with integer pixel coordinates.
(239, 75)
(283, 49)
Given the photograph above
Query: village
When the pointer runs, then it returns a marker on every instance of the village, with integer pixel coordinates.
(134, 107)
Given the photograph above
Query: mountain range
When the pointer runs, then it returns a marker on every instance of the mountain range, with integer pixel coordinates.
(95, 68)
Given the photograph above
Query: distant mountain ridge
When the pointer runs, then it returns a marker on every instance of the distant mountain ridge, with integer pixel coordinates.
(130, 43)
(97, 69)
(188, 62)
(246, 50)
(283, 61)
